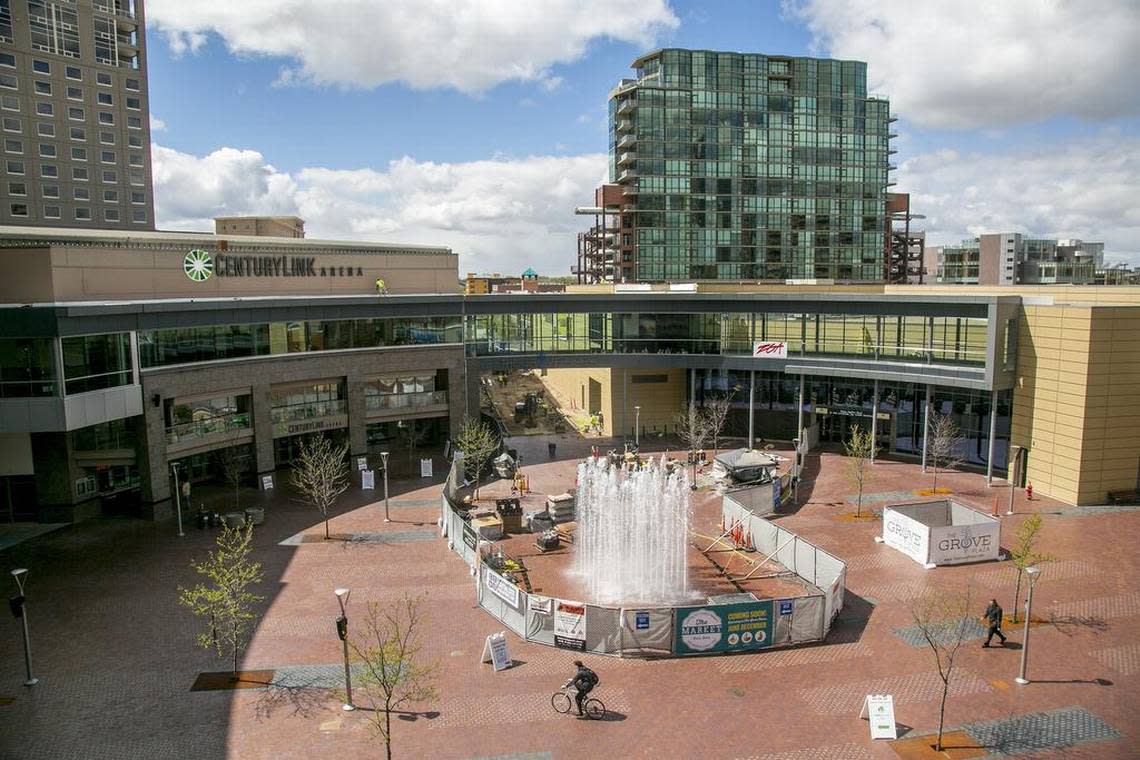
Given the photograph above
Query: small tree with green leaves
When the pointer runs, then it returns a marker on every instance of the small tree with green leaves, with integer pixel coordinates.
(224, 599)
(1025, 555)
(320, 474)
(860, 448)
(943, 620)
(395, 674)
(944, 444)
(478, 442)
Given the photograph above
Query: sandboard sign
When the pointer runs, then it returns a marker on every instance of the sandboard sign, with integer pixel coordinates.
(879, 710)
(367, 480)
(495, 651)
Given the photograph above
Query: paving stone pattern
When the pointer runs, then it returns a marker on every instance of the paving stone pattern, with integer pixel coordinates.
(1041, 731)
(917, 687)
(970, 630)
(1124, 659)
(830, 752)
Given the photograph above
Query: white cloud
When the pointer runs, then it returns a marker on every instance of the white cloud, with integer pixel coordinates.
(499, 215)
(157, 124)
(469, 45)
(977, 63)
(1081, 188)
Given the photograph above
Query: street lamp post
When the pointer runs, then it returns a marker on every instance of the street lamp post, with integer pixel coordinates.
(20, 608)
(637, 427)
(177, 497)
(342, 633)
(1033, 573)
(384, 460)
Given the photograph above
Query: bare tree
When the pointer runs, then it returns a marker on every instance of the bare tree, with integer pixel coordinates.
(693, 430)
(478, 442)
(1024, 554)
(232, 461)
(225, 599)
(320, 474)
(395, 674)
(943, 620)
(859, 448)
(715, 411)
(945, 441)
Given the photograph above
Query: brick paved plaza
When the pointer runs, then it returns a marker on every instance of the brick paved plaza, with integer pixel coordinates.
(116, 660)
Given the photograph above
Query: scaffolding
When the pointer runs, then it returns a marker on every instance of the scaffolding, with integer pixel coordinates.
(605, 250)
(904, 247)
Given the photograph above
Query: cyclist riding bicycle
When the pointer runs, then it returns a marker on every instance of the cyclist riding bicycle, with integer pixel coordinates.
(584, 681)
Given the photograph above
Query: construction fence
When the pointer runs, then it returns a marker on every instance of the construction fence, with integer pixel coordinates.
(661, 631)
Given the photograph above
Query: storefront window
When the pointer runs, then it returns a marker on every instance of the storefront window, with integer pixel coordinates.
(26, 368)
(202, 417)
(106, 436)
(95, 362)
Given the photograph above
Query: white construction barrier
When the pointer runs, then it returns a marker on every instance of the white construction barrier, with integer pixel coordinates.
(941, 533)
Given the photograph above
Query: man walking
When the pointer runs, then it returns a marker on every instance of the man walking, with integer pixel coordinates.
(993, 617)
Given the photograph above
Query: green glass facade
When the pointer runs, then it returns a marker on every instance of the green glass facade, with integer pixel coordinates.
(752, 167)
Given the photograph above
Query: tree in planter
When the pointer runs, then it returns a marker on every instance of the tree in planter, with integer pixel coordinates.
(225, 599)
(478, 442)
(945, 440)
(715, 412)
(860, 448)
(232, 462)
(320, 474)
(693, 430)
(395, 675)
(943, 620)
(1024, 554)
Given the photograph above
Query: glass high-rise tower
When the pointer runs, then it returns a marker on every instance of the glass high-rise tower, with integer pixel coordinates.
(744, 166)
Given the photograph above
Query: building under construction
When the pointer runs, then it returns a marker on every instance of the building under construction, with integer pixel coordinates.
(606, 249)
(905, 245)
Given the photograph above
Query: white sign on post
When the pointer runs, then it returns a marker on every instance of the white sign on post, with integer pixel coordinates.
(425, 468)
(495, 651)
(367, 480)
(362, 463)
(879, 710)
(267, 482)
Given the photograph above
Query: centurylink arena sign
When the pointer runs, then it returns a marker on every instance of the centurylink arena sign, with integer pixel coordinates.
(199, 265)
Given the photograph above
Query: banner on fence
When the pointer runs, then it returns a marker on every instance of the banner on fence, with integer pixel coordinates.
(469, 536)
(723, 627)
(910, 537)
(570, 625)
(501, 587)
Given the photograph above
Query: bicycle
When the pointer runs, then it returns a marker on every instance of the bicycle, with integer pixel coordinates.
(563, 699)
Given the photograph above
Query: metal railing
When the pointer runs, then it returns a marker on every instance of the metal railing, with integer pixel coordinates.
(405, 400)
(308, 411)
(186, 431)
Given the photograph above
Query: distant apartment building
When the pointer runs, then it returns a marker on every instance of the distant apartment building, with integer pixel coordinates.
(74, 115)
(1011, 258)
(260, 226)
(742, 166)
(527, 282)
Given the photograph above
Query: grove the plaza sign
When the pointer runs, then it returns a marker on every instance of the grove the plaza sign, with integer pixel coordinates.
(200, 264)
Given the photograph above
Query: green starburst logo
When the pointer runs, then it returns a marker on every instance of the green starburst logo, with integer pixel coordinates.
(198, 265)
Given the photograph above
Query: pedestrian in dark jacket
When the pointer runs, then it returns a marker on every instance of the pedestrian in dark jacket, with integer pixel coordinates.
(993, 617)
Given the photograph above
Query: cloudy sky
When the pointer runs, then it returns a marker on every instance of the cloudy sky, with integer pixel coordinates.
(480, 124)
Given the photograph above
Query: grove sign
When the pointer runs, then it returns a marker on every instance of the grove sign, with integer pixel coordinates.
(723, 627)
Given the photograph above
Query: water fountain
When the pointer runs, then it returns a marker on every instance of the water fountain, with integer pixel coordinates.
(632, 536)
